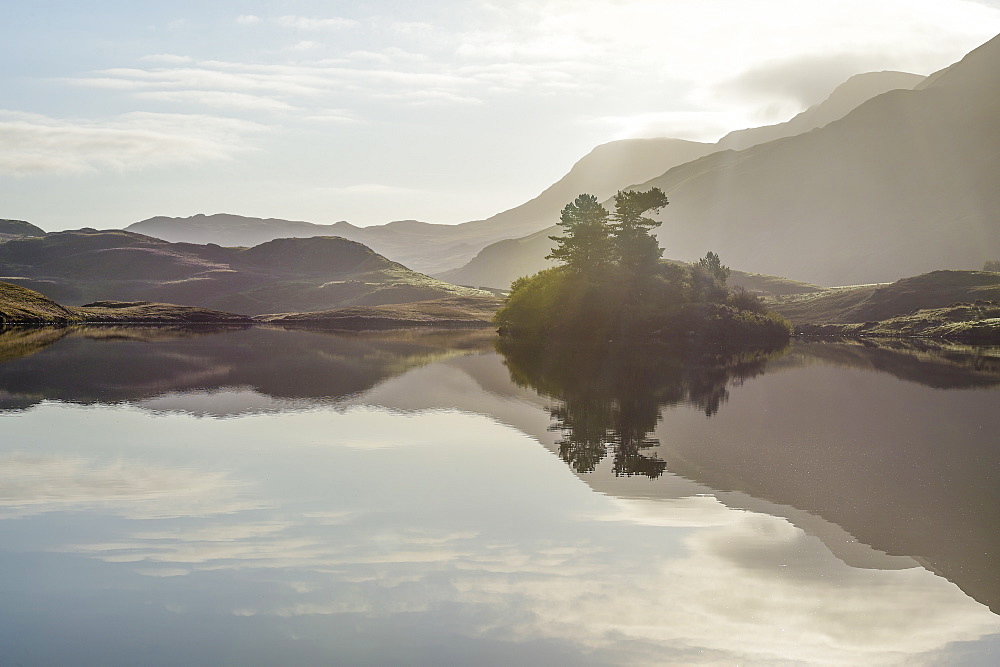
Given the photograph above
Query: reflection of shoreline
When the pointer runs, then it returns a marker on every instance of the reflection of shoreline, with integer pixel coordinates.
(931, 363)
(902, 466)
(933, 495)
(112, 364)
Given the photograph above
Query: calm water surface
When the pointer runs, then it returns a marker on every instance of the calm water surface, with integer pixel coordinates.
(263, 496)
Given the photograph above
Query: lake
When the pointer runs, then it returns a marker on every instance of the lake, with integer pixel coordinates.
(269, 496)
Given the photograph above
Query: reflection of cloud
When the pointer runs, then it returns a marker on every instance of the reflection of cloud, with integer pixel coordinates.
(745, 587)
(30, 143)
(34, 484)
(753, 590)
(693, 511)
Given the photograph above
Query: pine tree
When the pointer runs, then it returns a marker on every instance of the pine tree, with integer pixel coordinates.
(587, 245)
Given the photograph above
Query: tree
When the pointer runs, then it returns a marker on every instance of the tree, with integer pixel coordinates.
(587, 244)
(636, 249)
(712, 264)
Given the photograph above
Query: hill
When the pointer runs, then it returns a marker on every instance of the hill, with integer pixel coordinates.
(283, 275)
(977, 322)
(870, 303)
(455, 311)
(20, 305)
(10, 229)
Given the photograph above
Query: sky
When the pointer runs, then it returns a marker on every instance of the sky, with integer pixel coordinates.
(380, 110)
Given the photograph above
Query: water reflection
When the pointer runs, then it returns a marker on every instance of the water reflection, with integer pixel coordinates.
(420, 521)
(182, 366)
(611, 399)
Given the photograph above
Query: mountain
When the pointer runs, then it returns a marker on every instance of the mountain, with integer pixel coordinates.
(904, 184)
(282, 275)
(844, 99)
(498, 264)
(434, 248)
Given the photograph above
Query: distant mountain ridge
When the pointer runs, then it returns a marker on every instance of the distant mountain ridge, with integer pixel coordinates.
(431, 247)
(283, 275)
(902, 185)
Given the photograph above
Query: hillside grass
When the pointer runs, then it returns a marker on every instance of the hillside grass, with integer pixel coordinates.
(977, 322)
(453, 311)
(871, 303)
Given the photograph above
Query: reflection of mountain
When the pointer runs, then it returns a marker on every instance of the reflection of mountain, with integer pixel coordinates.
(901, 466)
(814, 436)
(113, 364)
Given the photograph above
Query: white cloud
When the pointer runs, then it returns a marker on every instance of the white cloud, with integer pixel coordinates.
(248, 19)
(334, 116)
(308, 23)
(31, 143)
(166, 58)
(305, 45)
(216, 99)
(37, 484)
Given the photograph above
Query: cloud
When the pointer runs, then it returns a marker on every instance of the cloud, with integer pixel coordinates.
(33, 485)
(34, 144)
(167, 58)
(804, 80)
(308, 23)
(248, 19)
(216, 98)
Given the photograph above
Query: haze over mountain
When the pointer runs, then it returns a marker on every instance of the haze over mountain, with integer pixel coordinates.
(498, 264)
(435, 248)
(283, 275)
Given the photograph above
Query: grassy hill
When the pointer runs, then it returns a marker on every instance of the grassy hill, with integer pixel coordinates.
(456, 311)
(283, 275)
(10, 229)
(977, 322)
(20, 305)
(869, 303)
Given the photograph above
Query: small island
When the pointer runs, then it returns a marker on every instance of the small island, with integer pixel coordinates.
(612, 285)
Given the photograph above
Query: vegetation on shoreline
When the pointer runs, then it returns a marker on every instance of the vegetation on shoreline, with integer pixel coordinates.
(613, 285)
(455, 311)
(977, 322)
(20, 305)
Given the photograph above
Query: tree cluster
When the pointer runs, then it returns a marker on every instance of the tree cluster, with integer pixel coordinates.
(613, 285)
(596, 238)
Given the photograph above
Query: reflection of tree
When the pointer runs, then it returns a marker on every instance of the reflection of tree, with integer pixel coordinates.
(609, 396)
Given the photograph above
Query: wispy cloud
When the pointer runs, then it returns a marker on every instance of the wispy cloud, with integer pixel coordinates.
(217, 99)
(311, 23)
(37, 484)
(32, 144)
